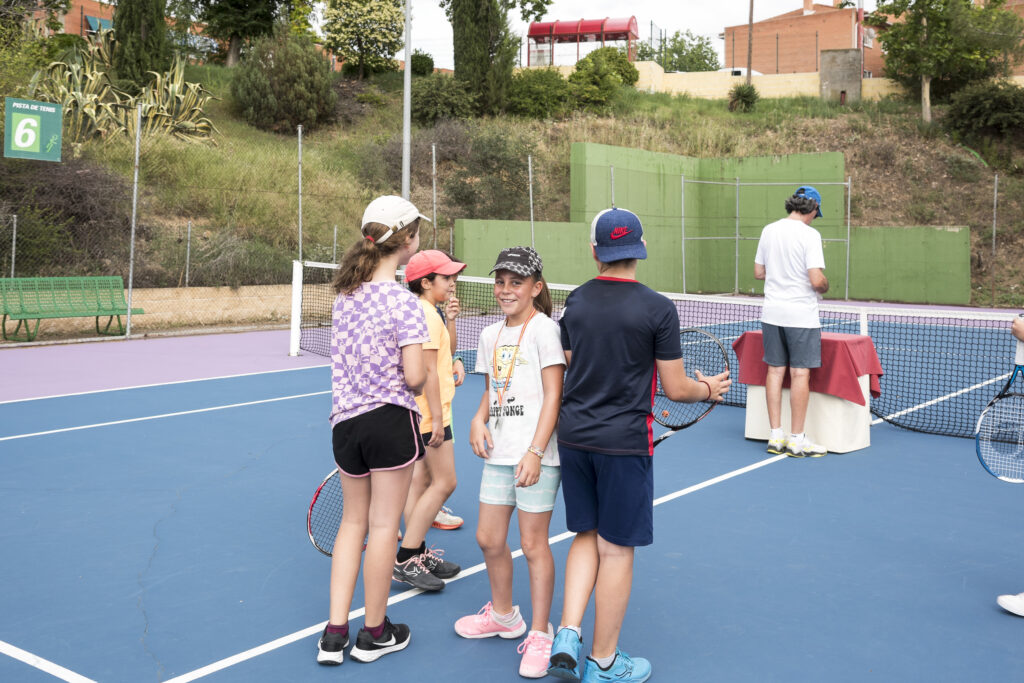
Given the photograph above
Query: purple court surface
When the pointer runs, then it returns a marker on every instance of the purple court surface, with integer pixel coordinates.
(37, 371)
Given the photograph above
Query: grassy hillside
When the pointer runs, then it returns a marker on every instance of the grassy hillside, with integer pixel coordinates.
(245, 188)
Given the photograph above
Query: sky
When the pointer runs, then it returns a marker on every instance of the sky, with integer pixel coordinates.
(432, 33)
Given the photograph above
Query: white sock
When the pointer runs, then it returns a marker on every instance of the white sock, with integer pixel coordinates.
(509, 619)
(603, 662)
(774, 434)
(797, 438)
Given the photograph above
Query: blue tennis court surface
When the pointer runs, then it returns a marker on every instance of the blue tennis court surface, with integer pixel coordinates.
(158, 534)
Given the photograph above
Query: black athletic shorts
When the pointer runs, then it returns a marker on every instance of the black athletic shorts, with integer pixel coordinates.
(386, 438)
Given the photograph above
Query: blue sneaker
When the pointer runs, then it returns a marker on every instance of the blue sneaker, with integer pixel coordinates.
(565, 655)
(624, 669)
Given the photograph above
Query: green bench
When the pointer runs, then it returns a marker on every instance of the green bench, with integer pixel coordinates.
(33, 298)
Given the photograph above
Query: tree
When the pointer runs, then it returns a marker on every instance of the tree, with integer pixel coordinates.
(14, 12)
(529, 10)
(284, 81)
(142, 42)
(684, 51)
(237, 21)
(943, 45)
(484, 50)
(366, 32)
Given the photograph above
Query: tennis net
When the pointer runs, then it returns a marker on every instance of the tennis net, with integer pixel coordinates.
(941, 367)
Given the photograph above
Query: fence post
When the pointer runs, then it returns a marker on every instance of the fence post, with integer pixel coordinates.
(135, 206)
(334, 247)
(736, 275)
(995, 215)
(682, 227)
(611, 172)
(849, 243)
(300, 192)
(529, 169)
(14, 240)
(188, 251)
(433, 181)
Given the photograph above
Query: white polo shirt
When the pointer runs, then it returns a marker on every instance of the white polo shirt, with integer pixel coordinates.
(787, 249)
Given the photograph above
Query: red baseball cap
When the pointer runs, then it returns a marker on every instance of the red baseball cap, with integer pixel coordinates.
(424, 263)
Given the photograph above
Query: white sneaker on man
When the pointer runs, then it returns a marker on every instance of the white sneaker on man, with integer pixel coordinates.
(1014, 604)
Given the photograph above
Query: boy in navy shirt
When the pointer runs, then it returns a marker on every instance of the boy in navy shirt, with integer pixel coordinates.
(616, 334)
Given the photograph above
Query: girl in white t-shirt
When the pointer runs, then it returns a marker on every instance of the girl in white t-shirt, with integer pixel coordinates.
(514, 432)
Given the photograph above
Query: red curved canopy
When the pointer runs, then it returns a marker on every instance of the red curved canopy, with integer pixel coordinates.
(624, 28)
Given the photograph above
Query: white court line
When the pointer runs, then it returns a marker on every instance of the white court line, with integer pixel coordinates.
(317, 628)
(159, 384)
(940, 399)
(42, 664)
(163, 415)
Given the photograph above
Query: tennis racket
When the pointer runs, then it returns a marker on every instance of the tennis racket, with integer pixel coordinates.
(999, 436)
(324, 516)
(701, 351)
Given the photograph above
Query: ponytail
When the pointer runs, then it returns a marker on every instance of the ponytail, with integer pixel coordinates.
(542, 302)
(363, 257)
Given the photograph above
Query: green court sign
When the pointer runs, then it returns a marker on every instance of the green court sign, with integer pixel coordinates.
(32, 130)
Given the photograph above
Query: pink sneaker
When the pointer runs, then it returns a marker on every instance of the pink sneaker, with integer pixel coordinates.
(536, 652)
(484, 625)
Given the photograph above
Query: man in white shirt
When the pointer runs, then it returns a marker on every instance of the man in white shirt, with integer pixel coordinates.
(791, 262)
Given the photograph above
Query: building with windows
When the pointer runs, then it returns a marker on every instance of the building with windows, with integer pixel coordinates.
(792, 42)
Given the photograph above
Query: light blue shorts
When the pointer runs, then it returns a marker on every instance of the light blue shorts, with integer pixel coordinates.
(498, 487)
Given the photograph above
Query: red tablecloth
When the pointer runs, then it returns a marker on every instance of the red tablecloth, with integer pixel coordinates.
(844, 358)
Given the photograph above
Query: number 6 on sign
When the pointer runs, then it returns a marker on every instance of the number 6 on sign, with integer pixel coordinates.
(26, 133)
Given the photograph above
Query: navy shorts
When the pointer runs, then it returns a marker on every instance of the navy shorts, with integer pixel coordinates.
(795, 347)
(386, 438)
(613, 494)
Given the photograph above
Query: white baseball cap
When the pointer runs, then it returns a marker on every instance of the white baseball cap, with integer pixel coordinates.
(392, 211)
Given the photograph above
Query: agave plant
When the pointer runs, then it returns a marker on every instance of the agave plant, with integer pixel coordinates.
(94, 108)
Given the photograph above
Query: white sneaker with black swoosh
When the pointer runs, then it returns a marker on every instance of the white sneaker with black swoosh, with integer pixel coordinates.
(393, 638)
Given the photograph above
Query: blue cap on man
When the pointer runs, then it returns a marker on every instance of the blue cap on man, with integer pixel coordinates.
(617, 234)
(810, 193)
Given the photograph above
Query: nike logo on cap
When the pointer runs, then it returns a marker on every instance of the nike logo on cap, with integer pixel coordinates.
(618, 232)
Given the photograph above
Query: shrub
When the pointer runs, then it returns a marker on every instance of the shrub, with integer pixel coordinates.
(493, 181)
(595, 81)
(422, 63)
(618, 62)
(994, 109)
(282, 82)
(372, 97)
(351, 69)
(743, 98)
(439, 97)
(539, 94)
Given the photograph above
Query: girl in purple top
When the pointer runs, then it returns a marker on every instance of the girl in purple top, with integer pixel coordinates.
(377, 366)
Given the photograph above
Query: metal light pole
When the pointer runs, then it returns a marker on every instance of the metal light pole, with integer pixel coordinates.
(407, 102)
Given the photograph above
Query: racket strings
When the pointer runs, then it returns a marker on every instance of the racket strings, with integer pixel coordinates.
(324, 516)
(703, 352)
(1000, 437)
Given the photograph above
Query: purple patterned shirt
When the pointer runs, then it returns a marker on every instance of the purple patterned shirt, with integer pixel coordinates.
(371, 325)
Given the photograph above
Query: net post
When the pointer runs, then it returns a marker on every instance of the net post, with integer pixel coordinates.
(863, 315)
(295, 329)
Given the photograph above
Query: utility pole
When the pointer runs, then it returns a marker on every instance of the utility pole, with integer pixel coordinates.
(750, 40)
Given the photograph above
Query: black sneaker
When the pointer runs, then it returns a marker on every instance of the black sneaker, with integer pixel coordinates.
(331, 648)
(395, 637)
(415, 574)
(442, 569)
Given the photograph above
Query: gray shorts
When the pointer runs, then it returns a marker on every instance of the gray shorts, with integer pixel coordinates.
(796, 347)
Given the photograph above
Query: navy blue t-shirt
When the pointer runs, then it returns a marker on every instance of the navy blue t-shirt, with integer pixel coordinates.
(615, 329)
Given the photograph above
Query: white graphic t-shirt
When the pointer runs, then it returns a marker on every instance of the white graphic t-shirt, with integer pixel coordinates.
(514, 416)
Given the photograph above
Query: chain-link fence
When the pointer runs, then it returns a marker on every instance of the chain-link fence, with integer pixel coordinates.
(217, 227)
